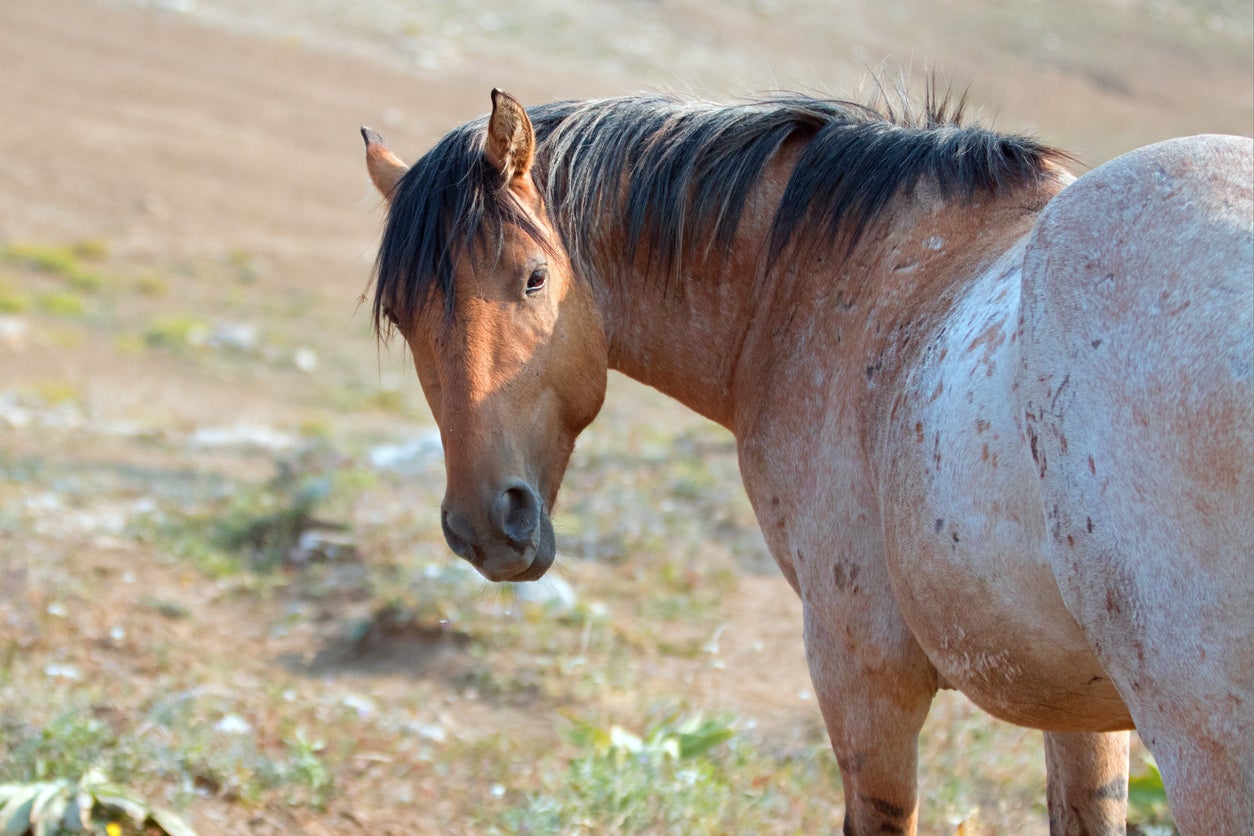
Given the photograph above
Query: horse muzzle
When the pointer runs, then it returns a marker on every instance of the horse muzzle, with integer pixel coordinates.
(516, 541)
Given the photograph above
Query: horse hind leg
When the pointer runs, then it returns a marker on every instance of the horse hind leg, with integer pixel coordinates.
(1209, 781)
(1137, 389)
(1088, 782)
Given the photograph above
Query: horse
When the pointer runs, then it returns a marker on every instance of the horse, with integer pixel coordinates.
(996, 422)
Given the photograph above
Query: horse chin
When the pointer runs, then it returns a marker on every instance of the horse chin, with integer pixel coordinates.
(529, 565)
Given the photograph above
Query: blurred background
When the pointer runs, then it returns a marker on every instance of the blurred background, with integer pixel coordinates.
(222, 581)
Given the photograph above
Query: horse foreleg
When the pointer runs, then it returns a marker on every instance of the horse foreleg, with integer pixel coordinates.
(1088, 782)
(873, 709)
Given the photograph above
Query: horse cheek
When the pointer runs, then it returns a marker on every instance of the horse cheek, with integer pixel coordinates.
(581, 354)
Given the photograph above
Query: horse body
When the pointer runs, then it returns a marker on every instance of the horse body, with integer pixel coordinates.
(965, 448)
(883, 447)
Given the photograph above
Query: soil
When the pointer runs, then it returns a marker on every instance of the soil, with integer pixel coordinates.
(216, 144)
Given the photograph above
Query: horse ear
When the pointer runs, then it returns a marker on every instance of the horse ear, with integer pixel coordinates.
(511, 140)
(386, 169)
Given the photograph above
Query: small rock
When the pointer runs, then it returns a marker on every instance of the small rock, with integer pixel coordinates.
(13, 331)
(58, 671)
(232, 724)
(409, 456)
(362, 705)
(237, 336)
(242, 435)
(305, 359)
(323, 544)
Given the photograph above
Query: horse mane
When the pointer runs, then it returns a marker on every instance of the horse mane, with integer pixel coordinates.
(678, 173)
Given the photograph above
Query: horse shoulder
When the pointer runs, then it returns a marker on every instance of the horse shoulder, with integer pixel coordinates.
(964, 528)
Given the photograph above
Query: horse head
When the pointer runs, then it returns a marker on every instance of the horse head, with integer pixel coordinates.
(513, 362)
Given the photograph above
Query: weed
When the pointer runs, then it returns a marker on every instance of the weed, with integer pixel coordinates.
(63, 303)
(176, 332)
(13, 301)
(387, 400)
(68, 745)
(245, 265)
(152, 285)
(678, 775)
(262, 527)
(266, 525)
(306, 769)
(61, 262)
(91, 249)
(55, 392)
(1147, 800)
(90, 803)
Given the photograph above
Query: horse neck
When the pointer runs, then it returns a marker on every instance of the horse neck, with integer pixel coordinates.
(716, 339)
(683, 341)
(684, 336)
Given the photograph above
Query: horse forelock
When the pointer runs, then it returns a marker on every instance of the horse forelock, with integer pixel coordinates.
(450, 204)
(670, 176)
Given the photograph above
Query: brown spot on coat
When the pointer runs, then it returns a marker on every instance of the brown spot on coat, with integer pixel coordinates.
(844, 574)
(883, 807)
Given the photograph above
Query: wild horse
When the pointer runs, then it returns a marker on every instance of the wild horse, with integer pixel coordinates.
(996, 423)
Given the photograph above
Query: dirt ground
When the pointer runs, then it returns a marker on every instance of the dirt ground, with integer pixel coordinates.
(210, 148)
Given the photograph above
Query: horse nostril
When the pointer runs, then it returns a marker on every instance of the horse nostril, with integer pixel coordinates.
(516, 513)
(457, 534)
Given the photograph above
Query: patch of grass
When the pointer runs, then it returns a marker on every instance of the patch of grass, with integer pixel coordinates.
(176, 332)
(306, 772)
(13, 301)
(64, 263)
(68, 745)
(91, 249)
(266, 525)
(193, 741)
(688, 774)
(314, 428)
(244, 263)
(1147, 800)
(260, 527)
(129, 344)
(55, 392)
(64, 303)
(152, 285)
(387, 400)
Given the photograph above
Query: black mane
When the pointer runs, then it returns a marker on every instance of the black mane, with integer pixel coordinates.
(689, 168)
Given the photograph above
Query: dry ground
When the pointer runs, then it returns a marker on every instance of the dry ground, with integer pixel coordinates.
(186, 229)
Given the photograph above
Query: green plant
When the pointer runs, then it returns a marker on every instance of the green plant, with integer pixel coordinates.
(266, 525)
(90, 803)
(62, 262)
(176, 331)
(1147, 800)
(306, 768)
(12, 301)
(669, 777)
(62, 303)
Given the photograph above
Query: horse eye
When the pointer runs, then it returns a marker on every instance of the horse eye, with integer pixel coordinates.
(537, 278)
